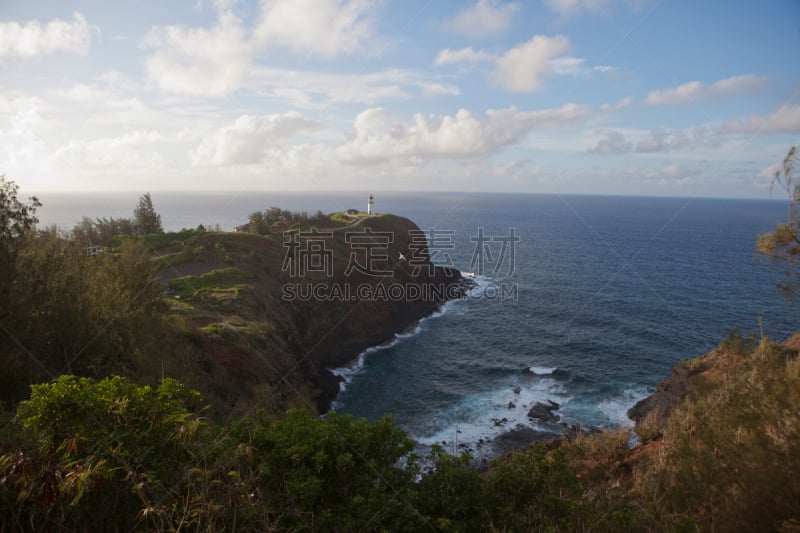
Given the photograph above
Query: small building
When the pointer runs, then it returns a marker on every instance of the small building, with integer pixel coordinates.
(352, 211)
(244, 228)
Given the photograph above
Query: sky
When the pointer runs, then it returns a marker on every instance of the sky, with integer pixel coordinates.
(643, 97)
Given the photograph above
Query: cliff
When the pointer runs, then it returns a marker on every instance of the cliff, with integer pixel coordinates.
(277, 312)
(691, 378)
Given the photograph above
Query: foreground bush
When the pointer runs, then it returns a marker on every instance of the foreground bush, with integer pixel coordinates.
(111, 455)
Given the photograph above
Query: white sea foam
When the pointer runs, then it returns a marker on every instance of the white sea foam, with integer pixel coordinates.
(616, 408)
(471, 423)
(542, 370)
(478, 419)
(608, 411)
(481, 284)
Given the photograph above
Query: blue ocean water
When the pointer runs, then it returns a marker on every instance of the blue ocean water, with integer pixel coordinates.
(610, 293)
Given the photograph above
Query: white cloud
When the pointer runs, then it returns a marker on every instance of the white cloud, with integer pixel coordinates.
(688, 92)
(486, 17)
(568, 8)
(316, 89)
(504, 175)
(464, 55)
(659, 140)
(445, 136)
(316, 27)
(21, 139)
(571, 7)
(737, 85)
(23, 130)
(198, 61)
(85, 93)
(249, 139)
(662, 141)
(32, 39)
(17, 101)
(567, 65)
(673, 173)
(438, 89)
(612, 142)
(576, 66)
(667, 175)
(135, 149)
(621, 104)
(785, 119)
(604, 69)
(217, 61)
(521, 68)
(696, 90)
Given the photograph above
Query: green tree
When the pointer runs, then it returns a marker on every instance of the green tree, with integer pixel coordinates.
(17, 219)
(17, 222)
(66, 312)
(258, 224)
(783, 244)
(274, 215)
(145, 218)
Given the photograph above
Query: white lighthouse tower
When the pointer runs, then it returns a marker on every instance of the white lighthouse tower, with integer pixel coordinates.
(370, 204)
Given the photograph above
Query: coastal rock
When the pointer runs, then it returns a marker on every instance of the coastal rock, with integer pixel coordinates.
(669, 394)
(519, 438)
(544, 412)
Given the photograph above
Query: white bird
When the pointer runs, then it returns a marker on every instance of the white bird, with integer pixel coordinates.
(402, 257)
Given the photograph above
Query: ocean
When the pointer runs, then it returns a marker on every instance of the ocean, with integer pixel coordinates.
(589, 304)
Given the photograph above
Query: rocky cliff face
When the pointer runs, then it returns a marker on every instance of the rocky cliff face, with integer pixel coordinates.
(690, 376)
(307, 303)
(359, 309)
(669, 394)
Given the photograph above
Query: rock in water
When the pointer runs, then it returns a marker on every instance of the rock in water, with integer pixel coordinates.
(544, 412)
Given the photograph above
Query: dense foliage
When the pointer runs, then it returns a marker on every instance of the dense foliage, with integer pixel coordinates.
(275, 219)
(64, 311)
(105, 455)
(105, 231)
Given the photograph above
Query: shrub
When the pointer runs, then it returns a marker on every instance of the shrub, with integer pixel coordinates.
(102, 453)
(737, 344)
(729, 460)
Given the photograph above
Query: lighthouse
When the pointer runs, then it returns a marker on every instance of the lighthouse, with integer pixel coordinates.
(370, 204)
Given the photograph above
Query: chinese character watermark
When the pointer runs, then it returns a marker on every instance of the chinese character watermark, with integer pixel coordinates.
(370, 246)
(409, 267)
(429, 250)
(482, 256)
(307, 251)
